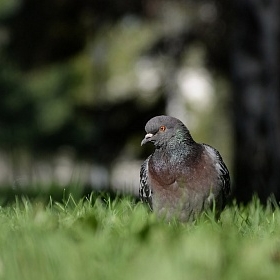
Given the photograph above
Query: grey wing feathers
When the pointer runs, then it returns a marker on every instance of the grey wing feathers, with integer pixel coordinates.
(225, 178)
(145, 192)
(223, 174)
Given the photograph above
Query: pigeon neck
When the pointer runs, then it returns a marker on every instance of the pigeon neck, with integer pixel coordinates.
(174, 155)
(181, 139)
(179, 147)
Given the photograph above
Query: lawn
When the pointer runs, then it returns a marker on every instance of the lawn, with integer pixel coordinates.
(102, 238)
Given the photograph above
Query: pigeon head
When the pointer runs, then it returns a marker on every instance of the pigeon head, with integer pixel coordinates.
(163, 129)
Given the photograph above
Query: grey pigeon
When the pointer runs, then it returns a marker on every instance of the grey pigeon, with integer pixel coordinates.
(182, 178)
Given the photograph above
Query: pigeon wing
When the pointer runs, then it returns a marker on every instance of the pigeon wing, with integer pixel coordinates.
(223, 174)
(145, 191)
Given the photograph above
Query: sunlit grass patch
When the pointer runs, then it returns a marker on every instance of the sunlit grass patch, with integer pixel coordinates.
(102, 238)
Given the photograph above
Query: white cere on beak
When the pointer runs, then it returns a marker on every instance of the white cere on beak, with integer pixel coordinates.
(149, 135)
(146, 139)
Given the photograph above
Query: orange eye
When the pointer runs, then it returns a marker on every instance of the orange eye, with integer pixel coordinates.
(162, 128)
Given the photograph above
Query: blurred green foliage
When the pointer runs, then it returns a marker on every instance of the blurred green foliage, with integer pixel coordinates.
(87, 75)
(48, 99)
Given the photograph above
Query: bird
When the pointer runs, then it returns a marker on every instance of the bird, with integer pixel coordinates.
(181, 179)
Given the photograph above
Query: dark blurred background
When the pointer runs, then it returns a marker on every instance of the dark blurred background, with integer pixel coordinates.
(79, 80)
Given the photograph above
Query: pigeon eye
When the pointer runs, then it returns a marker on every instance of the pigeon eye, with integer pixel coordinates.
(162, 128)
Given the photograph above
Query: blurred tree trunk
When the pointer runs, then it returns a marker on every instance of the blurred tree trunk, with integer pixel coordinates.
(255, 65)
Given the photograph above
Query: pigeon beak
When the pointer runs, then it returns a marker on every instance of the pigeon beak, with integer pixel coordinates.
(147, 138)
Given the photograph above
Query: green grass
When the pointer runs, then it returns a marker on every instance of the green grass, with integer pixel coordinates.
(99, 238)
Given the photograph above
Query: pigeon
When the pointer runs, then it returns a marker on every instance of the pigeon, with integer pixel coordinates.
(182, 178)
